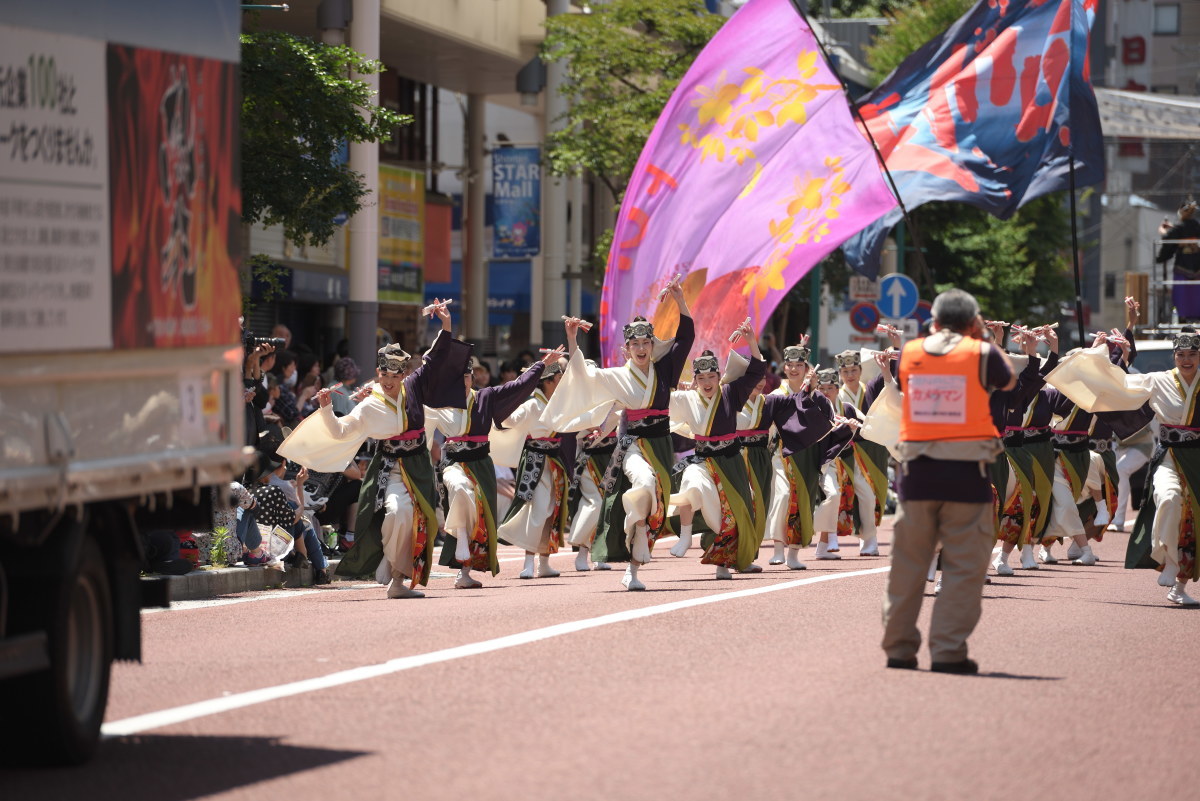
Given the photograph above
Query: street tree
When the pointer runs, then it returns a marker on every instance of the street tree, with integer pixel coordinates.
(300, 105)
(623, 61)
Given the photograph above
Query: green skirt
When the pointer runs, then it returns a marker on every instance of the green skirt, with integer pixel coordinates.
(1138, 552)
(804, 476)
(758, 462)
(367, 553)
(741, 539)
(609, 545)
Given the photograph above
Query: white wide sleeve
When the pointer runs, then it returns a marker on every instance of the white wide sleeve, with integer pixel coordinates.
(1095, 384)
(324, 443)
(882, 424)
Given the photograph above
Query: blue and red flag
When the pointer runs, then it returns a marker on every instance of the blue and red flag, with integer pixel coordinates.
(989, 113)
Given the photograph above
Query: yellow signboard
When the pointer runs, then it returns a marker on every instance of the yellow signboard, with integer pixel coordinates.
(401, 234)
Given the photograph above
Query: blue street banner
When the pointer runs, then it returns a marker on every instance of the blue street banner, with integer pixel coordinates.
(516, 202)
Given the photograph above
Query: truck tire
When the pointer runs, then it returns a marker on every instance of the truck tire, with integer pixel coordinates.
(59, 711)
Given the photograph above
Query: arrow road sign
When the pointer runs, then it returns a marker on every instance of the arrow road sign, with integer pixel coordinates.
(897, 295)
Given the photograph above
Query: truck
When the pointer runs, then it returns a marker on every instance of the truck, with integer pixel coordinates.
(121, 356)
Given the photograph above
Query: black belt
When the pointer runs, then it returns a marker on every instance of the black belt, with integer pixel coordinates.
(549, 448)
(1071, 443)
(467, 451)
(755, 441)
(658, 426)
(720, 448)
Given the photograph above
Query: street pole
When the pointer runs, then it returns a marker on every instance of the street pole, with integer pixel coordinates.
(554, 207)
(364, 226)
(814, 312)
(475, 265)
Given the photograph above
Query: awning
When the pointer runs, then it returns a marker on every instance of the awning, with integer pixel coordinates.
(1146, 115)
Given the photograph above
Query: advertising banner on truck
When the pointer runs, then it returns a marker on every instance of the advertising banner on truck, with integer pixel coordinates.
(119, 195)
(176, 202)
(54, 184)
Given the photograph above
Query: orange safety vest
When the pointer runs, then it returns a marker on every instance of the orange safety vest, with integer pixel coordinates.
(944, 396)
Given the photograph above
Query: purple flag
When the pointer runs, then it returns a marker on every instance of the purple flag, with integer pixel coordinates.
(754, 172)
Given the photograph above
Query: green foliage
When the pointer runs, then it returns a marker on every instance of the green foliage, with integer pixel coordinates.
(267, 273)
(1016, 267)
(912, 24)
(623, 61)
(299, 103)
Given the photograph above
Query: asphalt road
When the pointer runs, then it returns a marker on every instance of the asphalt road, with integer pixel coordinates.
(768, 686)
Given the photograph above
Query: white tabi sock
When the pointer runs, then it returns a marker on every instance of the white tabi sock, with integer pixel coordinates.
(462, 548)
(527, 571)
(544, 569)
(680, 548)
(777, 559)
(581, 560)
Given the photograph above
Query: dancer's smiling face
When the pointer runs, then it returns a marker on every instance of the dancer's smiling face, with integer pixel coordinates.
(795, 371)
(707, 383)
(640, 349)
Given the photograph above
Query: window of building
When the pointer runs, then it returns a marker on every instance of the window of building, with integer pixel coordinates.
(1166, 20)
(1165, 90)
(1110, 285)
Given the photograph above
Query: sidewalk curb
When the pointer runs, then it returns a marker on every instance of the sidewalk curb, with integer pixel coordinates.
(212, 582)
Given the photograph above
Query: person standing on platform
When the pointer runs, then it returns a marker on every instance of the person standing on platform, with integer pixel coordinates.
(947, 444)
(1186, 297)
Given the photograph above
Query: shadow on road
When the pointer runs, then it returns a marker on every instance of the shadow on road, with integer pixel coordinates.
(995, 674)
(169, 768)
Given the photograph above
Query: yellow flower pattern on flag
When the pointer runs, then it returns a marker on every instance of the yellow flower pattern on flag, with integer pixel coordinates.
(732, 117)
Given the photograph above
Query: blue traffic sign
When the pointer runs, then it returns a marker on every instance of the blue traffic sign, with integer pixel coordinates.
(864, 317)
(897, 295)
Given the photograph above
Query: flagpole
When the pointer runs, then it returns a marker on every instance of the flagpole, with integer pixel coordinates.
(1075, 251)
(920, 250)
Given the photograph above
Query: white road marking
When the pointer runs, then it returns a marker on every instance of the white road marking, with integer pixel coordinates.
(205, 603)
(215, 706)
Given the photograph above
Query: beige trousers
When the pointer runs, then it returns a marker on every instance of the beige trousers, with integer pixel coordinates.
(397, 527)
(965, 532)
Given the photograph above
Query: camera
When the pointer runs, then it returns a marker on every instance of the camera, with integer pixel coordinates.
(250, 342)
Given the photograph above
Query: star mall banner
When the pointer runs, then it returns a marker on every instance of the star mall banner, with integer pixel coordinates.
(989, 113)
(753, 173)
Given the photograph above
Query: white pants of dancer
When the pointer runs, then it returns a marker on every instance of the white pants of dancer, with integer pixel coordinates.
(1064, 514)
(530, 528)
(1129, 461)
(1168, 513)
(825, 518)
(698, 490)
(460, 492)
(397, 527)
(780, 500)
(587, 515)
(641, 499)
(864, 494)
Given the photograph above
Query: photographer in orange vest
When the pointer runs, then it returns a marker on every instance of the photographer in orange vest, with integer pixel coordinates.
(947, 441)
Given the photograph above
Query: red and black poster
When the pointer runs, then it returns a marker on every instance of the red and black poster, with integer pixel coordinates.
(175, 199)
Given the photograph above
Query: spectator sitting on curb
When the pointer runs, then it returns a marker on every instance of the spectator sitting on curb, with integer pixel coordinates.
(277, 503)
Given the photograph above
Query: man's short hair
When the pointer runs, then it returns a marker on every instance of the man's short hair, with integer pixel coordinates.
(955, 309)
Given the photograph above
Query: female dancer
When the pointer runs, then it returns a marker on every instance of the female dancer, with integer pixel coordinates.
(753, 432)
(1029, 448)
(586, 496)
(537, 518)
(638, 481)
(870, 459)
(715, 480)
(468, 475)
(396, 519)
